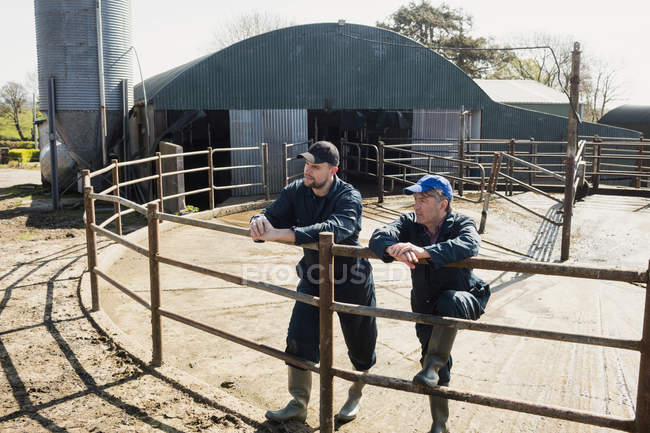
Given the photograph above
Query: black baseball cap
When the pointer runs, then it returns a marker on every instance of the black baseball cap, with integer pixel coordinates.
(321, 151)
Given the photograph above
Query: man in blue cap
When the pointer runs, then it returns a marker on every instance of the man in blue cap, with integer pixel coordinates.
(426, 240)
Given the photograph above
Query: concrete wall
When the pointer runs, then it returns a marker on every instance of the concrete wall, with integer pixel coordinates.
(174, 184)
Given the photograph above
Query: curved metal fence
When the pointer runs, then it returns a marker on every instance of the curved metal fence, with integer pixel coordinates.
(328, 250)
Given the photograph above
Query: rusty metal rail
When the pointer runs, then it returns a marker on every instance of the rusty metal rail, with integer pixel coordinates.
(381, 162)
(327, 253)
(510, 180)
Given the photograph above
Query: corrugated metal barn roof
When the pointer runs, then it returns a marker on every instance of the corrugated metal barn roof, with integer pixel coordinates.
(522, 92)
(340, 67)
(316, 66)
(635, 117)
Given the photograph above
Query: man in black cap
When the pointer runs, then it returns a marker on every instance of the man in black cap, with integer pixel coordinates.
(321, 202)
(426, 240)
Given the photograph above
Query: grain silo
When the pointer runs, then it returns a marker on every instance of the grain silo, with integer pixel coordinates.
(89, 98)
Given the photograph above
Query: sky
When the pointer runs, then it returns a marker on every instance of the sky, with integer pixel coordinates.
(167, 33)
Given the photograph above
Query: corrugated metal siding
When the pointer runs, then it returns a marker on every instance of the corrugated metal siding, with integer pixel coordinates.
(246, 130)
(282, 126)
(66, 42)
(118, 57)
(557, 109)
(252, 127)
(440, 127)
(503, 121)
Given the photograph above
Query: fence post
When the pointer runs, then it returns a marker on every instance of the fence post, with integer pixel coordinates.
(461, 151)
(642, 419)
(326, 287)
(211, 177)
(380, 171)
(154, 283)
(511, 165)
(267, 179)
(572, 142)
(494, 175)
(285, 164)
(160, 181)
(116, 192)
(91, 239)
(596, 164)
(533, 160)
(639, 164)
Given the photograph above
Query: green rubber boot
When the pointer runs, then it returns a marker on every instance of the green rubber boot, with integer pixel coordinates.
(438, 350)
(439, 413)
(351, 407)
(300, 389)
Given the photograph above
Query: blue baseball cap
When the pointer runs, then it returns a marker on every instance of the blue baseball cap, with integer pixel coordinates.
(431, 181)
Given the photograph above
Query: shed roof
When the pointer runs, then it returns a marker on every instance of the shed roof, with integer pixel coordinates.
(317, 66)
(627, 114)
(522, 92)
(636, 117)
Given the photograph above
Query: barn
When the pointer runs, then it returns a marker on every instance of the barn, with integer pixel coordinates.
(326, 81)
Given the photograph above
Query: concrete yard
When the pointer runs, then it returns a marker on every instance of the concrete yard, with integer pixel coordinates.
(608, 231)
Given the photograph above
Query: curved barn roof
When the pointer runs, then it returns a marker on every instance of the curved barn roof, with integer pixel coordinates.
(635, 117)
(341, 67)
(317, 66)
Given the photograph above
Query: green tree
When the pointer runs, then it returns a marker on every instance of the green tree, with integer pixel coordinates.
(442, 26)
(13, 98)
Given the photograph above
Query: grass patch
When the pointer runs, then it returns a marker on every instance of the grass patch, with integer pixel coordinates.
(25, 192)
(26, 165)
(26, 236)
(8, 129)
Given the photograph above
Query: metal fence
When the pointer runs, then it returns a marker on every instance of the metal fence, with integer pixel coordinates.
(290, 157)
(325, 302)
(159, 174)
(619, 162)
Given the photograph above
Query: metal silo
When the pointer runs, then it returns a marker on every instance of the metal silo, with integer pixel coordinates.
(67, 34)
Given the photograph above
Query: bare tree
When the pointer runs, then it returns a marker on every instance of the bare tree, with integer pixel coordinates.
(600, 88)
(598, 85)
(245, 26)
(551, 68)
(13, 98)
(31, 86)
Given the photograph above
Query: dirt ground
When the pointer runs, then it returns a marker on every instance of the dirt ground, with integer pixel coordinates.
(61, 369)
(68, 370)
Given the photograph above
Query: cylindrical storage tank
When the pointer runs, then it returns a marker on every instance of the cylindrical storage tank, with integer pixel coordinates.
(66, 42)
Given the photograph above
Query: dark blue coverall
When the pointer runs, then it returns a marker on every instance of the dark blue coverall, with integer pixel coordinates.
(438, 290)
(338, 212)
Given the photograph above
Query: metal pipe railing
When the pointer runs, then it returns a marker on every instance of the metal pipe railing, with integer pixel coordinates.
(327, 251)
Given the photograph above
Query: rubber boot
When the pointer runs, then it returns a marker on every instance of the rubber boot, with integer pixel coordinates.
(439, 413)
(351, 407)
(300, 389)
(438, 350)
